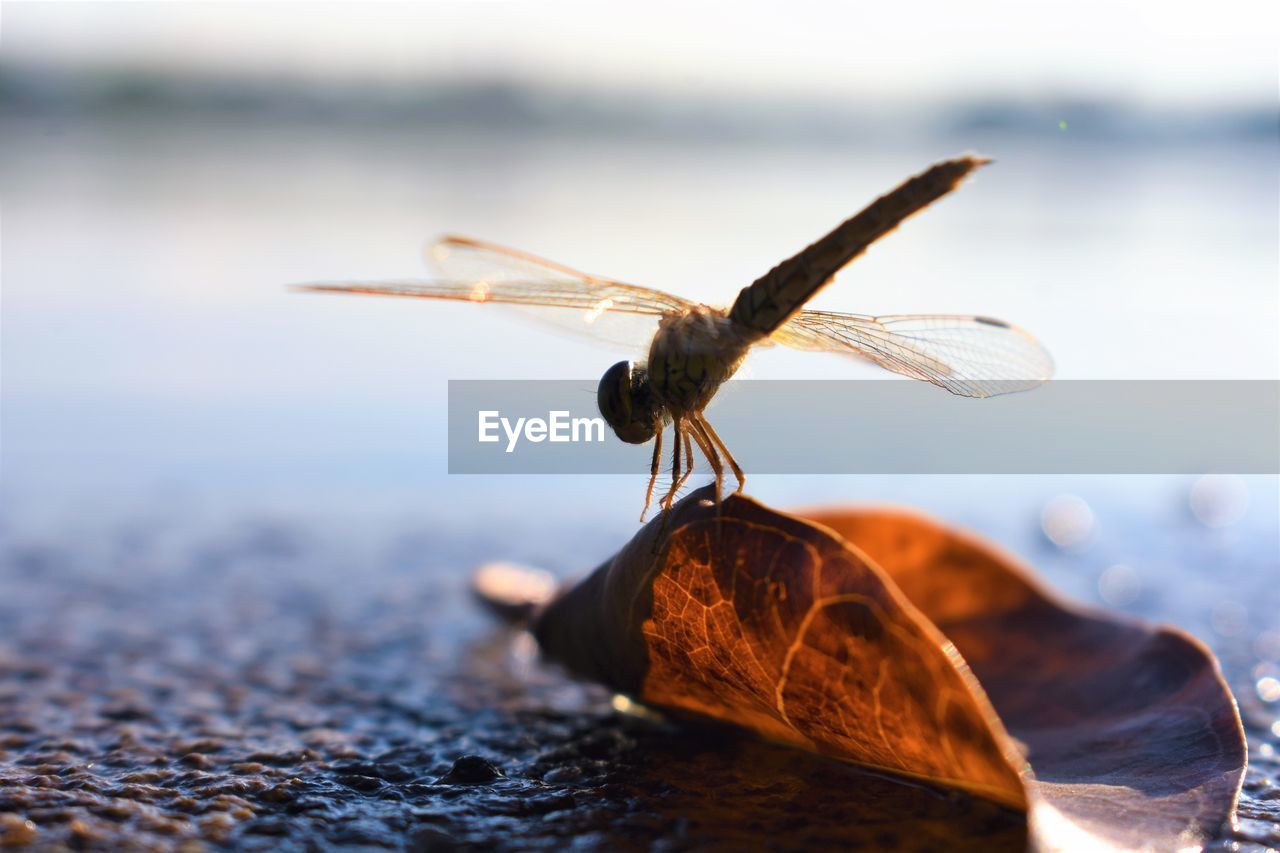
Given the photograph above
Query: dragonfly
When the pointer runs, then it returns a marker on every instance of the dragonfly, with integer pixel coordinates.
(694, 348)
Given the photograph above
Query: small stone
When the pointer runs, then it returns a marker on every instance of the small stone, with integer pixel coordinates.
(562, 775)
(471, 770)
(17, 831)
(357, 782)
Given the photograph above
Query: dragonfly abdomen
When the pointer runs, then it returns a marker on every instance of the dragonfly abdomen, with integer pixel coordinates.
(768, 302)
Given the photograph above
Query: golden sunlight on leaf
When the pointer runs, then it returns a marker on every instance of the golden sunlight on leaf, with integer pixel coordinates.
(1132, 734)
(884, 639)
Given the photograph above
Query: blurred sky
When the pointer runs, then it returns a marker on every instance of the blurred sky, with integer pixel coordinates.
(1177, 52)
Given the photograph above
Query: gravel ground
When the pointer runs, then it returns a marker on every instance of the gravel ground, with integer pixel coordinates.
(248, 686)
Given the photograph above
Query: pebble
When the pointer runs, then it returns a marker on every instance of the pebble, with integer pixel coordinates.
(471, 770)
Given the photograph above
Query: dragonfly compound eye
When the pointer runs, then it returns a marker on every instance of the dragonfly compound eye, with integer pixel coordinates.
(626, 403)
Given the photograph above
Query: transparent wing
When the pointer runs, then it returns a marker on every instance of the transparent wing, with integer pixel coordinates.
(969, 356)
(599, 309)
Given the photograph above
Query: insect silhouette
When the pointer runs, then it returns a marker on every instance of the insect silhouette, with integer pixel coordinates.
(694, 348)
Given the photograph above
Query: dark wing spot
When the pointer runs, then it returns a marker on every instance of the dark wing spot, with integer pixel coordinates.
(991, 321)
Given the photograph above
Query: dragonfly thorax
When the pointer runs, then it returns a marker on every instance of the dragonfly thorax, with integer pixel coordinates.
(692, 355)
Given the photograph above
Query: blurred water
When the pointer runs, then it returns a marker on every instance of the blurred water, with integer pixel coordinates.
(152, 356)
(148, 339)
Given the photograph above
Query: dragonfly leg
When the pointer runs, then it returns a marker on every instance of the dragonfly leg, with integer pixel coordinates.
(675, 465)
(688, 454)
(688, 460)
(653, 471)
(733, 463)
(697, 426)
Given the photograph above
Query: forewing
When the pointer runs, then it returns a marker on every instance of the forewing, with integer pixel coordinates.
(967, 355)
(600, 309)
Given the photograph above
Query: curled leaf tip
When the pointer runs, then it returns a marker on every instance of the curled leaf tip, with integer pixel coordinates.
(512, 592)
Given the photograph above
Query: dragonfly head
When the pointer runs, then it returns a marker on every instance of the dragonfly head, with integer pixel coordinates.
(628, 404)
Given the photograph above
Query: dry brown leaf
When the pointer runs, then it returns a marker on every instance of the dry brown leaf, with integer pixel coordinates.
(911, 650)
(1132, 734)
